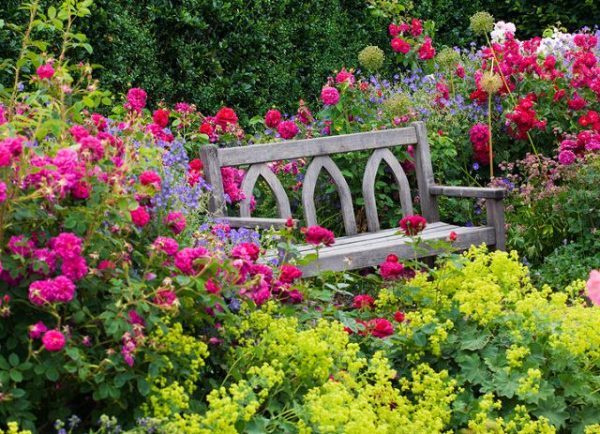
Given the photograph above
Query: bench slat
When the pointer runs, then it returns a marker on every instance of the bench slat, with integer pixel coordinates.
(374, 254)
(370, 236)
(478, 192)
(314, 147)
(308, 192)
(368, 186)
(249, 182)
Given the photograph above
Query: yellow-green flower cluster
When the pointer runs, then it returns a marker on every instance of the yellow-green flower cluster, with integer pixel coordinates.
(426, 317)
(13, 428)
(515, 355)
(485, 422)
(529, 384)
(397, 105)
(448, 58)
(371, 404)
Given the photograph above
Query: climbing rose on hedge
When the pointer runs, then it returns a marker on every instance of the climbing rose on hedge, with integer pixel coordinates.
(426, 51)
(288, 130)
(272, 118)
(53, 340)
(45, 71)
(136, 99)
(399, 45)
(161, 117)
(593, 287)
(330, 95)
(412, 225)
(318, 235)
(225, 117)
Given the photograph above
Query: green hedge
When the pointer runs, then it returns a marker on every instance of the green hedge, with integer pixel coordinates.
(251, 54)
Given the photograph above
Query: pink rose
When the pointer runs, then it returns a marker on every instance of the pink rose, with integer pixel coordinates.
(140, 216)
(330, 95)
(53, 340)
(399, 45)
(45, 71)
(363, 301)
(272, 118)
(593, 287)
(288, 130)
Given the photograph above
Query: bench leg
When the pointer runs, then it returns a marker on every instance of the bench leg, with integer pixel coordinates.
(495, 217)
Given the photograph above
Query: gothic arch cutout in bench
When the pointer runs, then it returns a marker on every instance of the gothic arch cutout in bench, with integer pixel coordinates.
(354, 250)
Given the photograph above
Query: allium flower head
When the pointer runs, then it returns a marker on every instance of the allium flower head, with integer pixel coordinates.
(397, 105)
(448, 58)
(371, 58)
(482, 23)
(490, 82)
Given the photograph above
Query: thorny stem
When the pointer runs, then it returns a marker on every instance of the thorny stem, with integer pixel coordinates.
(24, 44)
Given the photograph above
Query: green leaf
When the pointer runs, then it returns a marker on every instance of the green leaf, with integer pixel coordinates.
(3, 363)
(16, 376)
(13, 359)
(52, 373)
(143, 386)
(51, 12)
(477, 342)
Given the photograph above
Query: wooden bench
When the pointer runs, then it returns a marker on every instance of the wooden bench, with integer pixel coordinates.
(354, 250)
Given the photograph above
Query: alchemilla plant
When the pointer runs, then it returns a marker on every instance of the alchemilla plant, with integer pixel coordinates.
(126, 307)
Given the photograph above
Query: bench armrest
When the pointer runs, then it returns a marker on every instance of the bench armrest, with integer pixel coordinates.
(253, 222)
(478, 192)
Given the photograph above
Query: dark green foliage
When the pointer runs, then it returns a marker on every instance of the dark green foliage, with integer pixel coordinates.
(248, 55)
(531, 17)
(253, 54)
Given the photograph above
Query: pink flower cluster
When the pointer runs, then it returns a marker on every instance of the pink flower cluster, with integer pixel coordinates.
(403, 31)
(57, 290)
(232, 181)
(480, 139)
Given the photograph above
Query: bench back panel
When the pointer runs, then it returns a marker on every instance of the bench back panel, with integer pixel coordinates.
(320, 149)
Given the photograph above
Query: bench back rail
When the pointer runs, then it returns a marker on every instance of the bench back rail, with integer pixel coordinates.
(320, 150)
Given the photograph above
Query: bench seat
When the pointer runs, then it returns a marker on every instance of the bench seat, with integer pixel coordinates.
(354, 250)
(371, 249)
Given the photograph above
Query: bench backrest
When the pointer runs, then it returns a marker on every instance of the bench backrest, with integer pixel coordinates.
(320, 149)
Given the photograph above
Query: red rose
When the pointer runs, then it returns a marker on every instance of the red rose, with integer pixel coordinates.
(161, 117)
(318, 235)
(272, 118)
(380, 327)
(289, 273)
(399, 316)
(225, 117)
(412, 225)
(399, 45)
(363, 301)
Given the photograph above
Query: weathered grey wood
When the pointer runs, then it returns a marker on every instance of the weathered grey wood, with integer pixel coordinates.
(253, 222)
(391, 238)
(366, 237)
(308, 192)
(368, 186)
(495, 216)
(375, 254)
(424, 170)
(479, 192)
(316, 147)
(249, 182)
(212, 175)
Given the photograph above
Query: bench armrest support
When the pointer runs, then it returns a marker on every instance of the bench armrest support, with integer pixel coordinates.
(478, 192)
